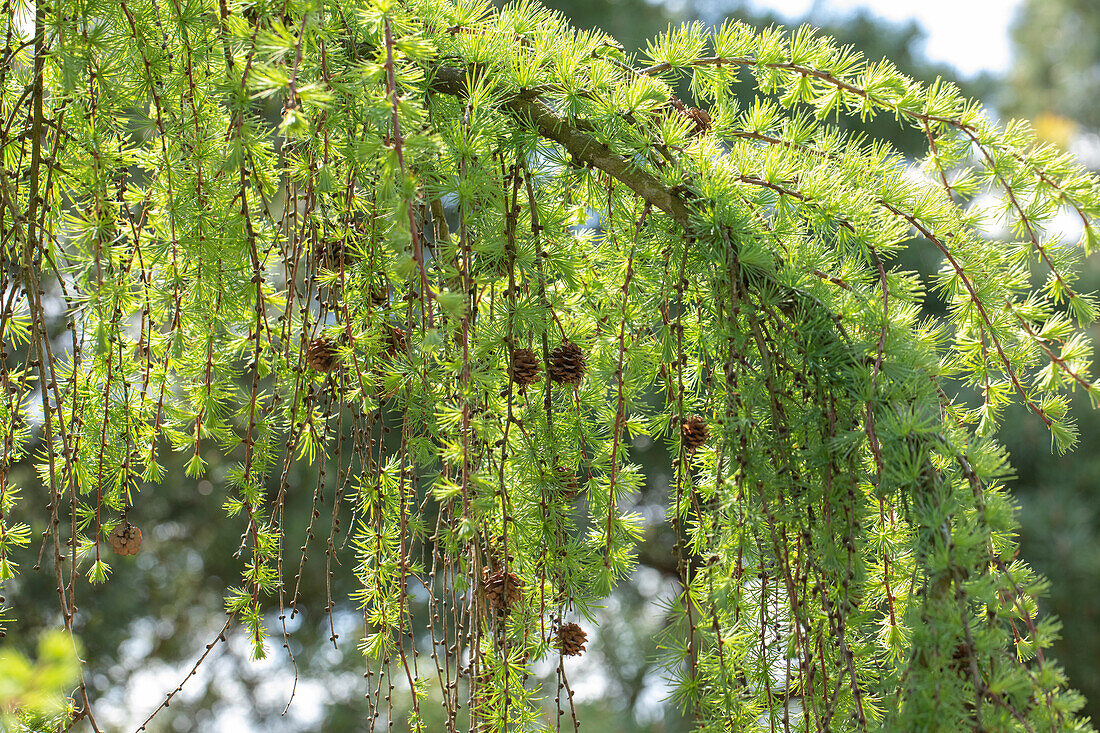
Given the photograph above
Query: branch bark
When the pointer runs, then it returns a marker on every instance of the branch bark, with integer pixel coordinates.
(528, 107)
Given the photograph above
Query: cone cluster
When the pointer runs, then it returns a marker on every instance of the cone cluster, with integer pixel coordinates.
(525, 369)
(694, 433)
(125, 539)
(567, 364)
(571, 639)
(502, 590)
(321, 354)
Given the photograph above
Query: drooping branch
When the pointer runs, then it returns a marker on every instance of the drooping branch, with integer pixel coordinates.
(968, 129)
(526, 106)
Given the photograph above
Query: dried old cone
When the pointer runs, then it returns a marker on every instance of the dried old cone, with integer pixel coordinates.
(502, 590)
(568, 487)
(321, 354)
(525, 369)
(571, 639)
(694, 433)
(699, 118)
(125, 539)
(567, 364)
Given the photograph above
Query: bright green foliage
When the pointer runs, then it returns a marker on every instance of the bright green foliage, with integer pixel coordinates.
(352, 285)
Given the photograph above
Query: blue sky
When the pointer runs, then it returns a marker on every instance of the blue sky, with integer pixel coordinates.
(971, 35)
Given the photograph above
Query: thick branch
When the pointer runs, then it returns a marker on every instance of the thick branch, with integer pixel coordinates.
(582, 146)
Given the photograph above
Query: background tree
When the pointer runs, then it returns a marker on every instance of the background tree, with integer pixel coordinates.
(1056, 62)
(824, 486)
(1053, 83)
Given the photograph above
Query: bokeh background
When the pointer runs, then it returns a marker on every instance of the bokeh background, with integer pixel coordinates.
(1036, 59)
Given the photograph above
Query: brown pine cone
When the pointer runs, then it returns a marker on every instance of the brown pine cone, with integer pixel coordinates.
(331, 254)
(699, 118)
(571, 639)
(502, 590)
(694, 432)
(125, 539)
(396, 340)
(525, 369)
(568, 487)
(321, 354)
(567, 364)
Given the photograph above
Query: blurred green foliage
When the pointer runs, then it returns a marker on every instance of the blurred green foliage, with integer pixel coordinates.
(34, 692)
(1055, 83)
(1057, 65)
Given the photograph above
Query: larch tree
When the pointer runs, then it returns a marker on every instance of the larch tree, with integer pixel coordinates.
(475, 257)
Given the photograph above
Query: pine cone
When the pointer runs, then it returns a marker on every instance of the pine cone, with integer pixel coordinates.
(525, 369)
(567, 364)
(568, 487)
(321, 354)
(502, 590)
(396, 340)
(331, 254)
(125, 539)
(694, 433)
(571, 639)
(699, 118)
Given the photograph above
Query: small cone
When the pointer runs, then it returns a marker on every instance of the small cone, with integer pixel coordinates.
(694, 432)
(567, 364)
(396, 340)
(699, 118)
(125, 539)
(321, 354)
(502, 590)
(525, 369)
(379, 294)
(568, 487)
(331, 254)
(571, 639)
